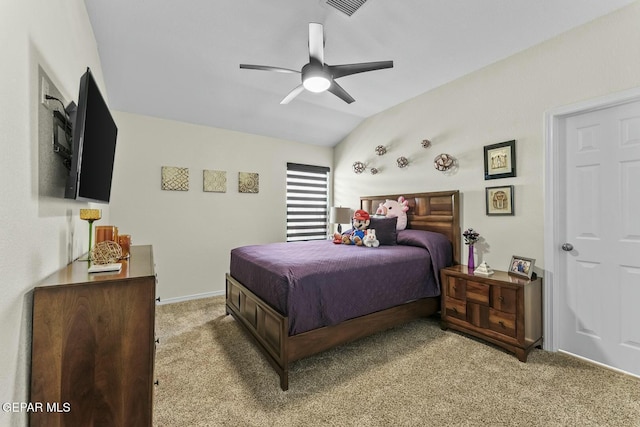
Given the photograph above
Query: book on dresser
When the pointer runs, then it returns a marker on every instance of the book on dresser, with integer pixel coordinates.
(502, 309)
(93, 345)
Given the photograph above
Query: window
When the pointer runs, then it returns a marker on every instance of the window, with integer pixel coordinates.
(307, 202)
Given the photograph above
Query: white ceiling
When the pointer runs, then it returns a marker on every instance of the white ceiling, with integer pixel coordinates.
(180, 60)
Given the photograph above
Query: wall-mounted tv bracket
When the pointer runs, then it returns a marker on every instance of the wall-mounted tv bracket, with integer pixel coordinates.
(63, 123)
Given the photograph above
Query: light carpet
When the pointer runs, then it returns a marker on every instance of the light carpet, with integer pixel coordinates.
(211, 374)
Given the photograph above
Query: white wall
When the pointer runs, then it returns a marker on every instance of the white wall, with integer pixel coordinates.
(39, 235)
(193, 231)
(501, 102)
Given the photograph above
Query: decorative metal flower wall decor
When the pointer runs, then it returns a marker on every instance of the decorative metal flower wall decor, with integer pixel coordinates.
(374, 171)
(381, 150)
(358, 167)
(443, 162)
(402, 162)
(426, 143)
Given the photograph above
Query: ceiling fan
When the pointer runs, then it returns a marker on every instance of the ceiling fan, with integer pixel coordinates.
(317, 76)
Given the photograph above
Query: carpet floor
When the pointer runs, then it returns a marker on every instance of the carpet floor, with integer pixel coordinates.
(211, 374)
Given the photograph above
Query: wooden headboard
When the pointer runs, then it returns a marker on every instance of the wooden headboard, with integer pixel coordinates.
(438, 211)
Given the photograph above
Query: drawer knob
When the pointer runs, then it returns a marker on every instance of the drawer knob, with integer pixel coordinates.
(501, 298)
(455, 310)
(501, 323)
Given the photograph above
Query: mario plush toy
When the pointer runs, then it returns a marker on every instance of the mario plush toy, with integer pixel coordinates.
(360, 223)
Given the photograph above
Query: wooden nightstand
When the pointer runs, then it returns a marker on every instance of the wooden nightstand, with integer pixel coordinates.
(501, 309)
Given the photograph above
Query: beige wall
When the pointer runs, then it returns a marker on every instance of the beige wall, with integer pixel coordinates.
(501, 102)
(193, 231)
(39, 234)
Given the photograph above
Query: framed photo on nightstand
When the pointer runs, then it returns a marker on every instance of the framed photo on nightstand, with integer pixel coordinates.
(521, 266)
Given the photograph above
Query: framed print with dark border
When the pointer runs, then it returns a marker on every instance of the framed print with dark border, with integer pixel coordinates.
(521, 266)
(499, 200)
(500, 160)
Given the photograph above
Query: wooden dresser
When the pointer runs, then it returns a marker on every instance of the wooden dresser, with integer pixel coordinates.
(502, 309)
(93, 345)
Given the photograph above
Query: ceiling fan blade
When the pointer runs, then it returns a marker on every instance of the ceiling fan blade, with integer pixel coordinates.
(338, 71)
(295, 92)
(338, 91)
(316, 42)
(268, 68)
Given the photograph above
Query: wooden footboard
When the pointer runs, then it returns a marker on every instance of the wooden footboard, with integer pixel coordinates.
(270, 329)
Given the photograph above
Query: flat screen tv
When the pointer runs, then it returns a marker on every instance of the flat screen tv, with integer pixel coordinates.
(93, 145)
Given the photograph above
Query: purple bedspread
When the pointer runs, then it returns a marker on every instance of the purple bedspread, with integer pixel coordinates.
(319, 283)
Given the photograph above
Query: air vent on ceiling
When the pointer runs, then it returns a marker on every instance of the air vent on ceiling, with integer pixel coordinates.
(346, 6)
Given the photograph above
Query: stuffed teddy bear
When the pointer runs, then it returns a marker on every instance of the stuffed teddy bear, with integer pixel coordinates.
(370, 239)
(396, 209)
(360, 222)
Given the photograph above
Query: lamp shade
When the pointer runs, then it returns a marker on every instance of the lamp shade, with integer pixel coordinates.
(340, 215)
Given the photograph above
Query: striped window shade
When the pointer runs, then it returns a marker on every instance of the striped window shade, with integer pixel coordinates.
(307, 202)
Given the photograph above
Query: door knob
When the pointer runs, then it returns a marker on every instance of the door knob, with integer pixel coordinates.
(568, 247)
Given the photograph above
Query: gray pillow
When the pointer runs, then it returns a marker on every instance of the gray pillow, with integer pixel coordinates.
(385, 230)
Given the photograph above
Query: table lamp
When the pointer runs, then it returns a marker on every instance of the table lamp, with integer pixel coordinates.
(340, 215)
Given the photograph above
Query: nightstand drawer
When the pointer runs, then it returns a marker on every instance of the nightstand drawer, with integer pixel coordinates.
(501, 322)
(503, 299)
(456, 288)
(477, 292)
(455, 308)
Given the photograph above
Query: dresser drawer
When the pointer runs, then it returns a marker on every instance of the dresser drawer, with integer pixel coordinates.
(477, 292)
(503, 299)
(501, 322)
(455, 308)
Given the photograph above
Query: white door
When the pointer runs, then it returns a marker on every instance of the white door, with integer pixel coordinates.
(600, 298)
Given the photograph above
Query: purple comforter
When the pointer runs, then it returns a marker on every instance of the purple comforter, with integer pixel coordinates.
(319, 283)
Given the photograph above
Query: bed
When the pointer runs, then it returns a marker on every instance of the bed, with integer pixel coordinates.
(299, 299)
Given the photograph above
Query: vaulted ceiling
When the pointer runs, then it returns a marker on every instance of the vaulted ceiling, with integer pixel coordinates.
(179, 60)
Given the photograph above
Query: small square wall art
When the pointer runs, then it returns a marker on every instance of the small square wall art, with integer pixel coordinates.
(175, 178)
(214, 181)
(248, 182)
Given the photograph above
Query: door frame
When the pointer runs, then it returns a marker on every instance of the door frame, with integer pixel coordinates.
(554, 184)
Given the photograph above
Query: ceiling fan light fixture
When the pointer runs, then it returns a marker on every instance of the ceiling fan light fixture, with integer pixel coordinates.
(316, 84)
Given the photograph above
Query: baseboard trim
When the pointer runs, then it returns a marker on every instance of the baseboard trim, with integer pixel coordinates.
(190, 297)
(602, 365)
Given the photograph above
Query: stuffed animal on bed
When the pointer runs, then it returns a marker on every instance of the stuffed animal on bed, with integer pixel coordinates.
(398, 209)
(381, 212)
(370, 239)
(360, 222)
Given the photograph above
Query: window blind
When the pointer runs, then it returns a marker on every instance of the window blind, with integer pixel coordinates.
(307, 202)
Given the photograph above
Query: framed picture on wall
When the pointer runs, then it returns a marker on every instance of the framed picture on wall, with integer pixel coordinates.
(500, 160)
(521, 266)
(499, 200)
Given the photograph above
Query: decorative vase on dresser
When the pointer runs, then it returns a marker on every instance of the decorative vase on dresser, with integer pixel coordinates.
(471, 263)
(501, 309)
